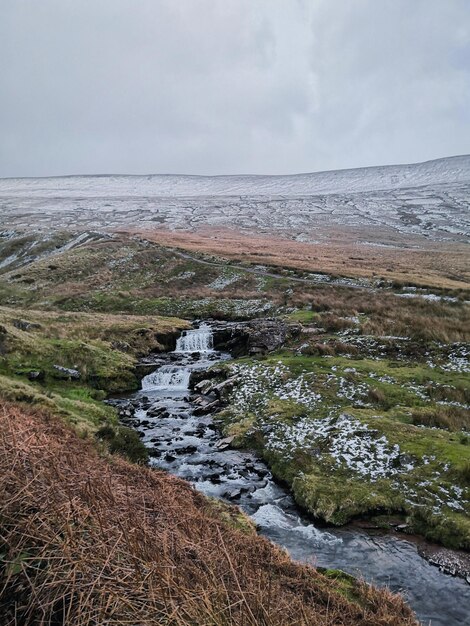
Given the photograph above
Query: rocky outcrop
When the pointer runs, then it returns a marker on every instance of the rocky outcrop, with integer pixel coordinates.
(36, 375)
(3, 340)
(65, 373)
(25, 325)
(198, 376)
(254, 337)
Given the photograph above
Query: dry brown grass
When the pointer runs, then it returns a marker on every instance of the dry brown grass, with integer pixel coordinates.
(88, 541)
(385, 314)
(451, 418)
(416, 260)
(80, 325)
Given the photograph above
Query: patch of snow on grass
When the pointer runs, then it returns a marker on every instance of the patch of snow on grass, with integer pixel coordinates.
(224, 280)
(259, 383)
(350, 443)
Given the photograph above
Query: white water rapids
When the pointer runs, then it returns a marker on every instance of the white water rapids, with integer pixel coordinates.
(172, 377)
(198, 340)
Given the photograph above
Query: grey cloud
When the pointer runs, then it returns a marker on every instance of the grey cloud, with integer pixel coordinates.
(207, 86)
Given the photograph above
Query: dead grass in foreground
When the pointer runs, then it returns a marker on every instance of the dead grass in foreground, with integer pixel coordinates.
(91, 541)
(416, 260)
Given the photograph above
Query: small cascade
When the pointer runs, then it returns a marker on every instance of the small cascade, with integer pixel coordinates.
(197, 340)
(169, 377)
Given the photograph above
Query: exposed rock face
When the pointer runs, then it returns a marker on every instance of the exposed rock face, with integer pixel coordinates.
(254, 337)
(198, 376)
(66, 373)
(38, 375)
(3, 340)
(25, 325)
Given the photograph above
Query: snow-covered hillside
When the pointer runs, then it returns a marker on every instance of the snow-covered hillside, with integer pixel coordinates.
(431, 198)
(448, 170)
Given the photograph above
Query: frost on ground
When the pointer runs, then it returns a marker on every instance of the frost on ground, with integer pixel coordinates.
(286, 411)
(458, 359)
(224, 280)
(184, 275)
(351, 444)
(392, 197)
(258, 384)
(344, 439)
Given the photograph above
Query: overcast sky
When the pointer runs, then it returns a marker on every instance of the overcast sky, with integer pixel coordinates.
(230, 86)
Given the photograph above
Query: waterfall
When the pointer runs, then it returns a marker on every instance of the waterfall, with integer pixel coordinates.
(198, 340)
(169, 377)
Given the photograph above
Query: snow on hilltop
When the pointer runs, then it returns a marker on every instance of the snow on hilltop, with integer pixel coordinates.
(440, 171)
(429, 198)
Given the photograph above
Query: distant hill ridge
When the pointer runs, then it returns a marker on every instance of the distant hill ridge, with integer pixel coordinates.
(436, 172)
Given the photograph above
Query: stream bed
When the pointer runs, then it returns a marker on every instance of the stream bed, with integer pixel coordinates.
(184, 441)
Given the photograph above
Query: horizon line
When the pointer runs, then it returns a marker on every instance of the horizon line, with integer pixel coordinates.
(344, 169)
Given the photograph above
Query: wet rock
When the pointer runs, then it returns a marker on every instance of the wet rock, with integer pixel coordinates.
(402, 527)
(203, 386)
(262, 471)
(223, 444)
(198, 376)
(197, 400)
(125, 409)
(206, 408)
(160, 412)
(405, 460)
(112, 401)
(234, 494)
(225, 387)
(187, 450)
(215, 479)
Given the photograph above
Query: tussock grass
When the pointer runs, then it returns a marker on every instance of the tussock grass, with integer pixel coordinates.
(383, 314)
(86, 540)
(448, 417)
(429, 265)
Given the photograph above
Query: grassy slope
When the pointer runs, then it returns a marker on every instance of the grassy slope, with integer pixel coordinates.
(429, 481)
(102, 347)
(108, 542)
(118, 277)
(130, 276)
(136, 277)
(107, 515)
(403, 259)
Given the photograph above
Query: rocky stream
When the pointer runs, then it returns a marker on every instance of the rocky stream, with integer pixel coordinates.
(173, 414)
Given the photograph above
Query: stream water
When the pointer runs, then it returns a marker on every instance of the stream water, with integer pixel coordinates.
(187, 444)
